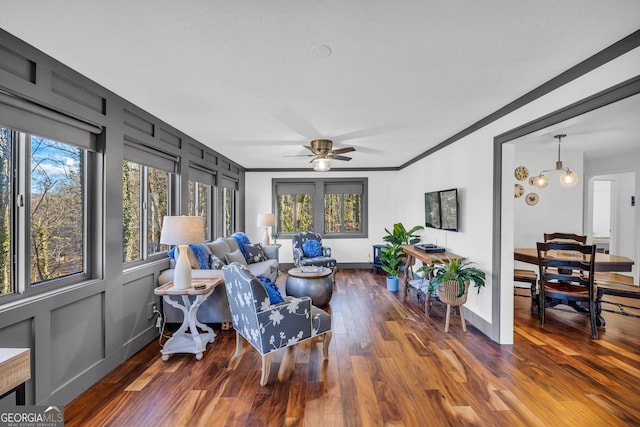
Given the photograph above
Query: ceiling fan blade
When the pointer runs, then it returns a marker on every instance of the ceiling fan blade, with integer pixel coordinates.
(341, 158)
(300, 155)
(313, 150)
(343, 150)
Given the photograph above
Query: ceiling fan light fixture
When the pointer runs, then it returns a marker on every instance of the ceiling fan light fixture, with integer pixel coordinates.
(321, 164)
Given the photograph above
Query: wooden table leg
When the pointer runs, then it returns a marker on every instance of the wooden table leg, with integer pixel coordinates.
(405, 276)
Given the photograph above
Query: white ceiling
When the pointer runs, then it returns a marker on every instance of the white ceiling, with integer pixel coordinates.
(246, 79)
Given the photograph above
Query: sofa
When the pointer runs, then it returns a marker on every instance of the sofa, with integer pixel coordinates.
(222, 251)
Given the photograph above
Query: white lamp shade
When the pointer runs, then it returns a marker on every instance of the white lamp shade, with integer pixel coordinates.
(321, 164)
(569, 178)
(266, 220)
(182, 230)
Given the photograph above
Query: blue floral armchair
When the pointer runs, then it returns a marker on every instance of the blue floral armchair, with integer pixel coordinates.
(323, 259)
(270, 327)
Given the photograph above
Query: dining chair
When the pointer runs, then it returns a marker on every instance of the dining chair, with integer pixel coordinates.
(567, 277)
(548, 237)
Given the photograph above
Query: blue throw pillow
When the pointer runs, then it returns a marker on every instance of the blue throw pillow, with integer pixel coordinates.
(312, 248)
(272, 290)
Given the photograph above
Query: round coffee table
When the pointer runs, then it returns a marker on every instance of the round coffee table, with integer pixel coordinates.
(314, 282)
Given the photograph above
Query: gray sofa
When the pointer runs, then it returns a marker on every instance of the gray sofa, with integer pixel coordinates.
(216, 308)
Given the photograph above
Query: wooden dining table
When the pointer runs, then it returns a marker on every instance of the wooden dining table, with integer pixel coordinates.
(604, 262)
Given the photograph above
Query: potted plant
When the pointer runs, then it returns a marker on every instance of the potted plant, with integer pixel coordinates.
(391, 260)
(400, 236)
(452, 279)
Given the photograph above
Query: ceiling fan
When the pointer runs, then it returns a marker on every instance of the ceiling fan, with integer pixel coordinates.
(323, 154)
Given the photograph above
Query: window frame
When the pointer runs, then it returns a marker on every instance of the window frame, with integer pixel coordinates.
(318, 201)
(203, 176)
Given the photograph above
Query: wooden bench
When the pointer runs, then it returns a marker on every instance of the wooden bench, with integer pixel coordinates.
(617, 284)
(530, 277)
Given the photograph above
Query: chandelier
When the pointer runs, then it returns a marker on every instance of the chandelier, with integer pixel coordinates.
(568, 178)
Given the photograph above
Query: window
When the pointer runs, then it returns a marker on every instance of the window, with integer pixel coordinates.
(342, 207)
(147, 184)
(201, 192)
(331, 207)
(45, 211)
(229, 193)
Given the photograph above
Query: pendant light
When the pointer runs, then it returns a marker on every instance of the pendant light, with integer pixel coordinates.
(568, 178)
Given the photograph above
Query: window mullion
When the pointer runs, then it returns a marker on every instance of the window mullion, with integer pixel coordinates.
(23, 206)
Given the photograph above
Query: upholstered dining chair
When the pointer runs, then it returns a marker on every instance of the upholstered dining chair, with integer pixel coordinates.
(565, 237)
(308, 251)
(567, 277)
(270, 327)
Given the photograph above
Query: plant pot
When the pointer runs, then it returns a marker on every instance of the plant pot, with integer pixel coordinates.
(448, 293)
(392, 283)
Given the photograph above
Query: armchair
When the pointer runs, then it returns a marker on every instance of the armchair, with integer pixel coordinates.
(300, 259)
(270, 327)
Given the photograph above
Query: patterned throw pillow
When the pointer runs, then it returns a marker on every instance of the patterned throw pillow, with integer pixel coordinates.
(254, 253)
(215, 262)
(272, 290)
(312, 248)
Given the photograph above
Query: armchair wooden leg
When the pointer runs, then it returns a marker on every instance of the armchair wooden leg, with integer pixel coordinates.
(238, 344)
(266, 368)
(326, 339)
(288, 364)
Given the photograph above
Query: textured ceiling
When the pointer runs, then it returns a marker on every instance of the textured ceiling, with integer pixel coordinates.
(243, 77)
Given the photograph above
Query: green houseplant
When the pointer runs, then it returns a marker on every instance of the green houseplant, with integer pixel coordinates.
(459, 270)
(400, 236)
(391, 260)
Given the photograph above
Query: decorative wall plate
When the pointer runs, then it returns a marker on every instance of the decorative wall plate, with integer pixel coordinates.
(518, 190)
(531, 178)
(521, 173)
(531, 198)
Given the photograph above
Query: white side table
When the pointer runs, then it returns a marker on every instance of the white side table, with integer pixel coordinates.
(193, 342)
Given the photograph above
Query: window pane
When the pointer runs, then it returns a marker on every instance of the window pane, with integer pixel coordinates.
(332, 213)
(227, 210)
(352, 212)
(5, 210)
(131, 208)
(157, 208)
(295, 212)
(57, 209)
(199, 202)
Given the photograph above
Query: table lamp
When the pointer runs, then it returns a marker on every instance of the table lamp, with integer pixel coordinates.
(182, 230)
(266, 220)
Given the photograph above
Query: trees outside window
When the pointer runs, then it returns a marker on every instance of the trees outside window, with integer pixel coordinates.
(200, 197)
(145, 196)
(331, 207)
(43, 209)
(228, 210)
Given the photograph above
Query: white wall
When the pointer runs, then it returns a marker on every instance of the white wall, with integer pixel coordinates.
(385, 206)
(601, 208)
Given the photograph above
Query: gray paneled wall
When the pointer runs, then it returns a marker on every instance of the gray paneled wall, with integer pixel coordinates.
(79, 333)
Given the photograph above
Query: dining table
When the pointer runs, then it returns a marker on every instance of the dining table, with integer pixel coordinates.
(604, 262)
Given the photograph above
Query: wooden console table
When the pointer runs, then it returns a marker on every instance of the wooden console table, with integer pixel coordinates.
(427, 258)
(15, 365)
(193, 342)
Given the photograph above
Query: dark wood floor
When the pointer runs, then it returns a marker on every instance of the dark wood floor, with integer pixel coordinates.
(388, 365)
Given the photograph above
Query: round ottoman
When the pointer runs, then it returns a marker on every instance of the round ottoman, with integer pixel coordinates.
(314, 282)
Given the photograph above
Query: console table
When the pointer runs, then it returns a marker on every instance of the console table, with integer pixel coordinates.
(193, 342)
(427, 258)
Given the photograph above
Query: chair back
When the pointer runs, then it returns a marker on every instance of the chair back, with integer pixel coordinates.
(298, 239)
(567, 237)
(246, 294)
(569, 264)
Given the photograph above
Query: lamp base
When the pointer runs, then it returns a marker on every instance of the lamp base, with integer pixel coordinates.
(182, 273)
(265, 237)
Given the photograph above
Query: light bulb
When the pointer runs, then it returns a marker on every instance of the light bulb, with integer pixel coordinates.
(540, 181)
(569, 178)
(321, 164)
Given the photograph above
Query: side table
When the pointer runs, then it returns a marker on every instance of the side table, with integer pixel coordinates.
(15, 365)
(314, 282)
(193, 342)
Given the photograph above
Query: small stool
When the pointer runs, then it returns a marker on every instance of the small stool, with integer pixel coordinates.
(528, 276)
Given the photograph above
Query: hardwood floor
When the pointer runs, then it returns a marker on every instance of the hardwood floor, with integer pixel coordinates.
(388, 365)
